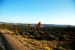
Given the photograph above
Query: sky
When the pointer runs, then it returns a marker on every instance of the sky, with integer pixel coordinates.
(33, 11)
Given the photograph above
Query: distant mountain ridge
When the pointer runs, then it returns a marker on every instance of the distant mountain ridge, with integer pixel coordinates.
(49, 25)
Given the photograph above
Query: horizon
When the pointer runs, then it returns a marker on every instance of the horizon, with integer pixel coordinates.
(37, 23)
(32, 11)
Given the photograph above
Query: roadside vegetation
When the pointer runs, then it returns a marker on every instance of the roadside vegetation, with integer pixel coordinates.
(43, 38)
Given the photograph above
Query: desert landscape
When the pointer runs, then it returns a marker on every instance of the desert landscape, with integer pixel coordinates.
(37, 24)
(29, 37)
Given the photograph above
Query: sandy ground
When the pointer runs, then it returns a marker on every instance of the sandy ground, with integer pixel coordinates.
(14, 43)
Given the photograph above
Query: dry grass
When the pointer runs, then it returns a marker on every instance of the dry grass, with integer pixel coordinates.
(37, 44)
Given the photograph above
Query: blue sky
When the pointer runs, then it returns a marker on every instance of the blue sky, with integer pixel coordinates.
(32, 11)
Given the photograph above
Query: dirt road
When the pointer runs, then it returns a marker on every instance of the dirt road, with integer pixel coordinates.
(14, 43)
